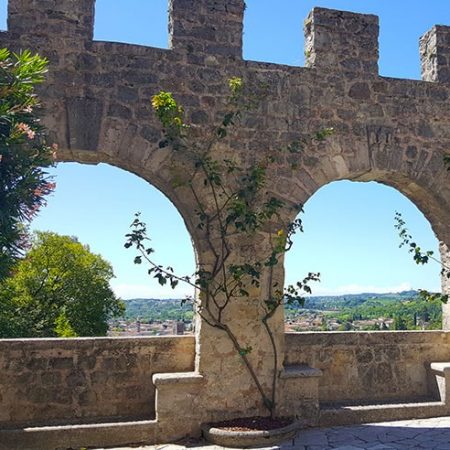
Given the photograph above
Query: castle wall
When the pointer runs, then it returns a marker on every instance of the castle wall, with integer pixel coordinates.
(65, 381)
(97, 109)
(69, 380)
(371, 366)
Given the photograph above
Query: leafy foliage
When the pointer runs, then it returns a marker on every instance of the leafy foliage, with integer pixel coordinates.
(408, 314)
(366, 312)
(59, 289)
(420, 257)
(23, 152)
(151, 310)
(170, 115)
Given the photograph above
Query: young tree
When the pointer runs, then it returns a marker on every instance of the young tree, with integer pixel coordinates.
(23, 152)
(238, 205)
(60, 288)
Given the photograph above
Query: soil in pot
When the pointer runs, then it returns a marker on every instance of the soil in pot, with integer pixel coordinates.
(253, 424)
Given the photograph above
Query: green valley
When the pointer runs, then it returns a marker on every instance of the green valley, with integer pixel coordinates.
(360, 312)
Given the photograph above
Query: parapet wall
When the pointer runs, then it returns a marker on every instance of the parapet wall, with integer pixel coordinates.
(75, 380)
(370, 367)
(78, 380)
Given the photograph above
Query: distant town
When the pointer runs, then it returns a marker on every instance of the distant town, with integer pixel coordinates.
(361, 312)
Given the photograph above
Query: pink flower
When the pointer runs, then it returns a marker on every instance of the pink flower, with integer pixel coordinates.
(25, 129)
(54, 152)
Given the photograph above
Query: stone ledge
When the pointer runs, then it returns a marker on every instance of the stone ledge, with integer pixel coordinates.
(441, 367)
(160, 379)
(345, 415)
(300, 371)
(372, 338)
(75, 436)
(74, 342)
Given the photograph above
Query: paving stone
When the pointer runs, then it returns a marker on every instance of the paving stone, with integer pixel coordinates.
(348, 447)
(405, 435)
(378, 446)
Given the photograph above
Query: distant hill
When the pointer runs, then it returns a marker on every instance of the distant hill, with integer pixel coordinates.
(172, 309)
(152, 309)
(336, 303)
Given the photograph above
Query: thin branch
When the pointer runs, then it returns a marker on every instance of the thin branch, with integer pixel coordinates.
(170, 274)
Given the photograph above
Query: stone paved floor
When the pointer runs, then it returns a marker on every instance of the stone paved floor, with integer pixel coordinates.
(408, 434)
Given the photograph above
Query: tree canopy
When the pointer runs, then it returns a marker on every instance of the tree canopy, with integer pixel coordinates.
(61, 289)
(23, 152)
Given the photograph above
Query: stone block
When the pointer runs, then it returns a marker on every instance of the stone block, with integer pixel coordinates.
(440, 381)
(58, 21)
(435, 54)
(206, 26)
(48, 380)
(178, 403)
(342, 41)
(298, 393)
(84, 117)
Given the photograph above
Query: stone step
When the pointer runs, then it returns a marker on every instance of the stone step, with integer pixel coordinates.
(352, 415)
(440, 368)
(105, 434)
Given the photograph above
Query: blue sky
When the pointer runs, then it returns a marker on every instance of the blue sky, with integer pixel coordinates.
(349, 228)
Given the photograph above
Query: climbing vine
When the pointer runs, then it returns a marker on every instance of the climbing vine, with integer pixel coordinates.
(239, 207)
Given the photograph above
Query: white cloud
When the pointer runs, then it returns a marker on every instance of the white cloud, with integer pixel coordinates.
(127, 291)
(361, 289)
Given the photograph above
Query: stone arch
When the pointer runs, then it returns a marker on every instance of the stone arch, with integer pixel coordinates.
(88, 157)
(420, 175)
(103, 200)
(96, 99)
(348, 223)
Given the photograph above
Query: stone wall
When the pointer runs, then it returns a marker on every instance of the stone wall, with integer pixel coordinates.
(372, 366)
(55, 380)
(49, 380)
(97, 108)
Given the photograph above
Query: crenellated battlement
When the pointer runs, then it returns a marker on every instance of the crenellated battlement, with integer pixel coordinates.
(435, 54)
(212, 27)
(340, 40)
(205, 26)
(70, 22)
(334, 40)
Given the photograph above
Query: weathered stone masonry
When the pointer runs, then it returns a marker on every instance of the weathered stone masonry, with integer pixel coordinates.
(389, 130)
(58, 381)
(48, 381)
